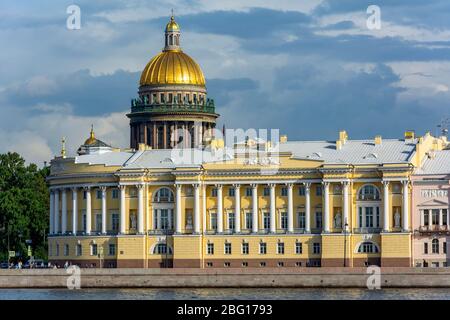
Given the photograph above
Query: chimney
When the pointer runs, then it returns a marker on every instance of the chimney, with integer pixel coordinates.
(338, 145)
(283, 139)
(343, 136)
(378, 140)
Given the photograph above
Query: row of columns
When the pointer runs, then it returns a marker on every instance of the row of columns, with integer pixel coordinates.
(57, 226)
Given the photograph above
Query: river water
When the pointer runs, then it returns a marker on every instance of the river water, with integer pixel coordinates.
(228, 294)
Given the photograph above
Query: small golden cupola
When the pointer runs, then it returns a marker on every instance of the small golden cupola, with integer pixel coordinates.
(92, 145)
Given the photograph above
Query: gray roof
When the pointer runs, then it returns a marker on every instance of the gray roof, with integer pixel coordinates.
(353, 151)
(107, 158)
(440, 164)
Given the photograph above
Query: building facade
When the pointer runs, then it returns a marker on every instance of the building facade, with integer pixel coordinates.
(431, 190)
(167, 203)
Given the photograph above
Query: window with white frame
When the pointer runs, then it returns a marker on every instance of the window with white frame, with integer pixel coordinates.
(280, 248)
(319, 190)
(298, 248)
(163, 195)
(435, 246)
(266, 191)
(301, 191)
(266, 220)
(115, 220)
(210, 248)
(369, 192)
(318, 219)
(248, 220)
(301, 220)
(94, 249)
(79, 250)
(245, 248)
(231, 221)
(115, 193)
(213, 221)
(284, 220)
(227, 248)
(214, 192)
(231, 192)
(316, 248)
(262, 248)
(162, 248)
(284, 191)
(98, 194)
(112, 249)
(66, 249)
(248, 191)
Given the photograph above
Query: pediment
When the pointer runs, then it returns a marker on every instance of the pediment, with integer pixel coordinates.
(433, 203)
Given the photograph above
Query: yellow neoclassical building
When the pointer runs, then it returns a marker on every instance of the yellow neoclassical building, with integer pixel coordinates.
(182, 197)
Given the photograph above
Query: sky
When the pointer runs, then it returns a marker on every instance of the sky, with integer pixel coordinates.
(307, 68)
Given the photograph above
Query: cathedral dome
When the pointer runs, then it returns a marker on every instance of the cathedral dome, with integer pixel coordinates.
(172, 67)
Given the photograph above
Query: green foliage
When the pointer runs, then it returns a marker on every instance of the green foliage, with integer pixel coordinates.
(24, 206)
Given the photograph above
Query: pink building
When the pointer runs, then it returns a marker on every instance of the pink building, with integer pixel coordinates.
(430, 211)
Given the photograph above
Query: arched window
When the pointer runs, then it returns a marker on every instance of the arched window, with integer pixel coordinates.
(435, 246)
(369, 192)
(368, 247)
(161, 248)
(163, 195)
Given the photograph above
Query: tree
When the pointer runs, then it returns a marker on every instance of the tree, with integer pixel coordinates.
(24, 206)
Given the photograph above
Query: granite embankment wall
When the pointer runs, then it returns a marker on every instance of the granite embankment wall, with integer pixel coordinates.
(158, 278)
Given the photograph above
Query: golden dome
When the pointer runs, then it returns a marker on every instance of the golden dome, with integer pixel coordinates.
(172, 67)
(172, 25)
(91, 140)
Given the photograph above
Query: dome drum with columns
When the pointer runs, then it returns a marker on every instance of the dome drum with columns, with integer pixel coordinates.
(172, 109)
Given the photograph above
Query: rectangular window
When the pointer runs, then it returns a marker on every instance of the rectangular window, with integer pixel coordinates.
(115, 193)
(98, 194)
(284, 191)
(115, 220)
(298, 248)
(231, 221)
(369, 217)
(112, 249)
(280, 248)
(66, 249)
(98, 222)
(210, 248)
(227, 249)
(301, 220)
(57, 249)
(84, 195)
(245, 248)
(319, 191)
(444, 217)
(360, 217)
(231, 192)
(248, 220)
(266, 191)
(435, 216)
(444, 247)
(301, 191)
(262, 248)
(425, 248)
(316, 248)
(93, 249)
(248, 192)
(84, 221)
(79, 250)
(214, 192)
(319, 220)
(266, 220)
(213, 221)
(426, 217)
(284, 220)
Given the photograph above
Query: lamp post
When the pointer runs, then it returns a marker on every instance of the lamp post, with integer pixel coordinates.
(345, 243)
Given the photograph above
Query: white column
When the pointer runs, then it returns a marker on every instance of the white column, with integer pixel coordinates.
(196, 208)
(273, 228)
(326, 206)
(405, 219)
(122, 208)
(204, 208)
(307, 207)
(88, 210)
(386, 206)
(430, 218)
(346, 207)
(219, 209)
(74, 211)
(255, 208)
(56, 212)
(290, 212)
(140, 188)
(440, 217)
(237, 208)
(52, 212)
(63, 211)
(103, 189)
(178, 208)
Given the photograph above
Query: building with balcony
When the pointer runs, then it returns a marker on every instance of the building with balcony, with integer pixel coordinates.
(277, 203)
(431, 207)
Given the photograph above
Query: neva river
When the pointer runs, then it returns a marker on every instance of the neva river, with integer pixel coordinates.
(229, 294)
